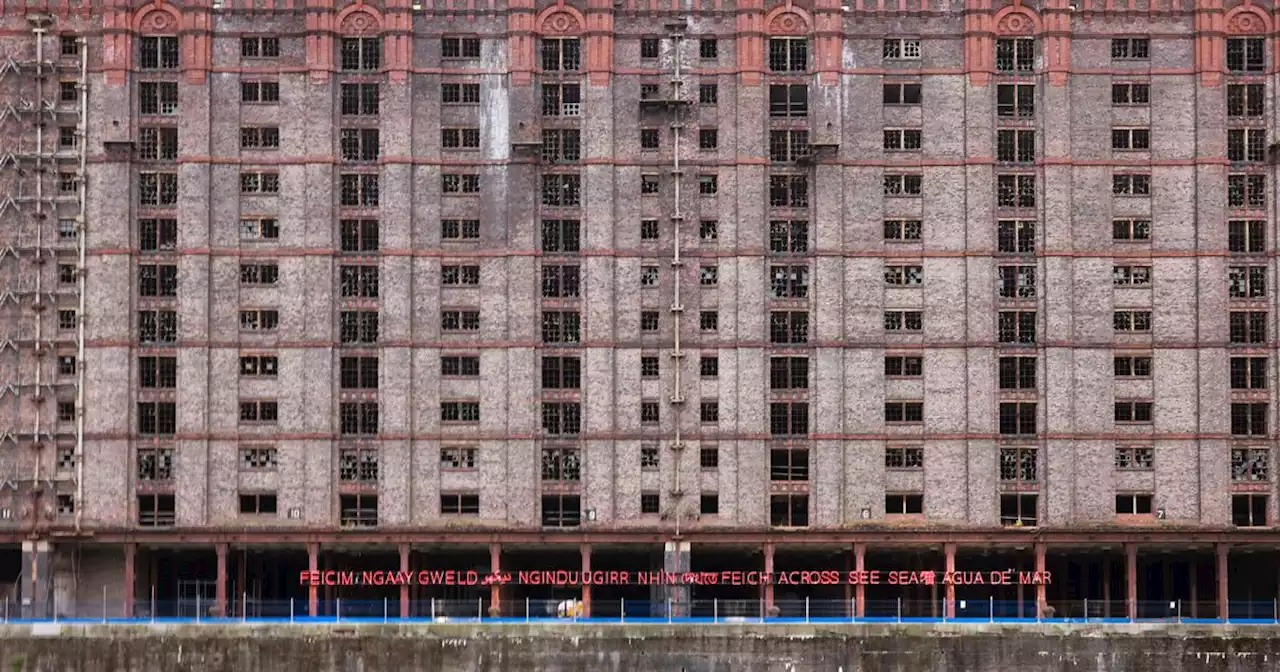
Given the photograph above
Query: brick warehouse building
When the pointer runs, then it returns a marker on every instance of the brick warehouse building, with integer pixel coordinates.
(622, 285)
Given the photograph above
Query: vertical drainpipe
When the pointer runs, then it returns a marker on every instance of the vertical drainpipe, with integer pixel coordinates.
(39, 32)
(677, 308)
(82, 130)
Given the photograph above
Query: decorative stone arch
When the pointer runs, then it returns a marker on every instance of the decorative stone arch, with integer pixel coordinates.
(157, 19)
(561, 20)
(1016, 20)
(787, 19)
(1247, 19)
(359, 20)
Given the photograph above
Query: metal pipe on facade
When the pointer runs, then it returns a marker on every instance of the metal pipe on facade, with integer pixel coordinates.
(82, 130)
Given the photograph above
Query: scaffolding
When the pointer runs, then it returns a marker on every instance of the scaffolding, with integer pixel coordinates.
(43, 108)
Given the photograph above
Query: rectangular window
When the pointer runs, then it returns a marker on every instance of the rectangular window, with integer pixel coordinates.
(708, 367)
(903, 366)
(1015, 55)
(459, 93)
(788, 100)
(1133, 411)
(1247, 282)
(361, 54)
(788, 146)
(453, 46)
(789, 282)
(1130, 48)
(358, 190)
(361, 145)
(563, 145)
(788, 326)
(901, 49)
(358, 373)
(259, 274)
(260, 137)
(649, 413)
(358, 465)
(561, 54)
(157, 189)
(458, 458)
(155, 279)
(259, 365)
(1130, 138)
(260, 92)
(1249, 419)
(789, 418)
(788, 236)
(157, 511)
(1247, 236)
(1247, 326)
(1016, 146)
(1016, 282)
(1252, 464)
(1016, 101)
(709, 411)
(903, 457)
(358, 510)
(903, 320)
(358, 235)
(460, 138)
(258, 458)
(1016, 236)
(259, 320)
(708, 94)
(460, 320)
(259, 411)
(1249, 510)
(789, 464)
(708, 48)
(158, 53)
(1134, 457)
(1136, 321)
(788, 54)
(903, 230)
(254, 183)
(466, 183)
(252, 229)
(358, 326)
(462, 275)
(708, 321)
(902, 93)
(259, 47)
(903, 275)
(460, 229)
(360, 99)
(1016, 191)
(1130, 94)
(708, 139)
(1246, 55)
(1132, 367)
(903, 185)
(1247, 145)
(157, 418)
(1131, 276)
(902, 139)
(561, 236)
(904, 411)
(1131, 229)
(789, 373)
(460, 411)
(1248, 373)
(903, 505)
(562, 190)
(154, 326)
(561, 327)
(1017, 373)
(708, 185)
(1246, 100)
(561, 510)
(459, 504)
(1017, 418)
(709, 458)
(790, 510)
(159, 143)
(560, 373)
(1133, 505)
(1131, 184)
(154, 464)
(1018, 510)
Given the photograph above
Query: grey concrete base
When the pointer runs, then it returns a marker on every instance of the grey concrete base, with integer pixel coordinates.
(638, 647)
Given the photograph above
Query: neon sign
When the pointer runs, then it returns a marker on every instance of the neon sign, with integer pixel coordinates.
(564, 577)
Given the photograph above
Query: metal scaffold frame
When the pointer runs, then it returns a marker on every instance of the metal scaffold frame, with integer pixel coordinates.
(35, 203)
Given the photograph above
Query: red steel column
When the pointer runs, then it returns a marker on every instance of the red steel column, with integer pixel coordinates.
(1222, 550)
(586, 585)
(220, 607)
(768, 572)
(950, 551)
(495, 591)
(1041, 587)
(860, 591)
(1131, 579)
(313, 596)
(130, 578)
(404, 587)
